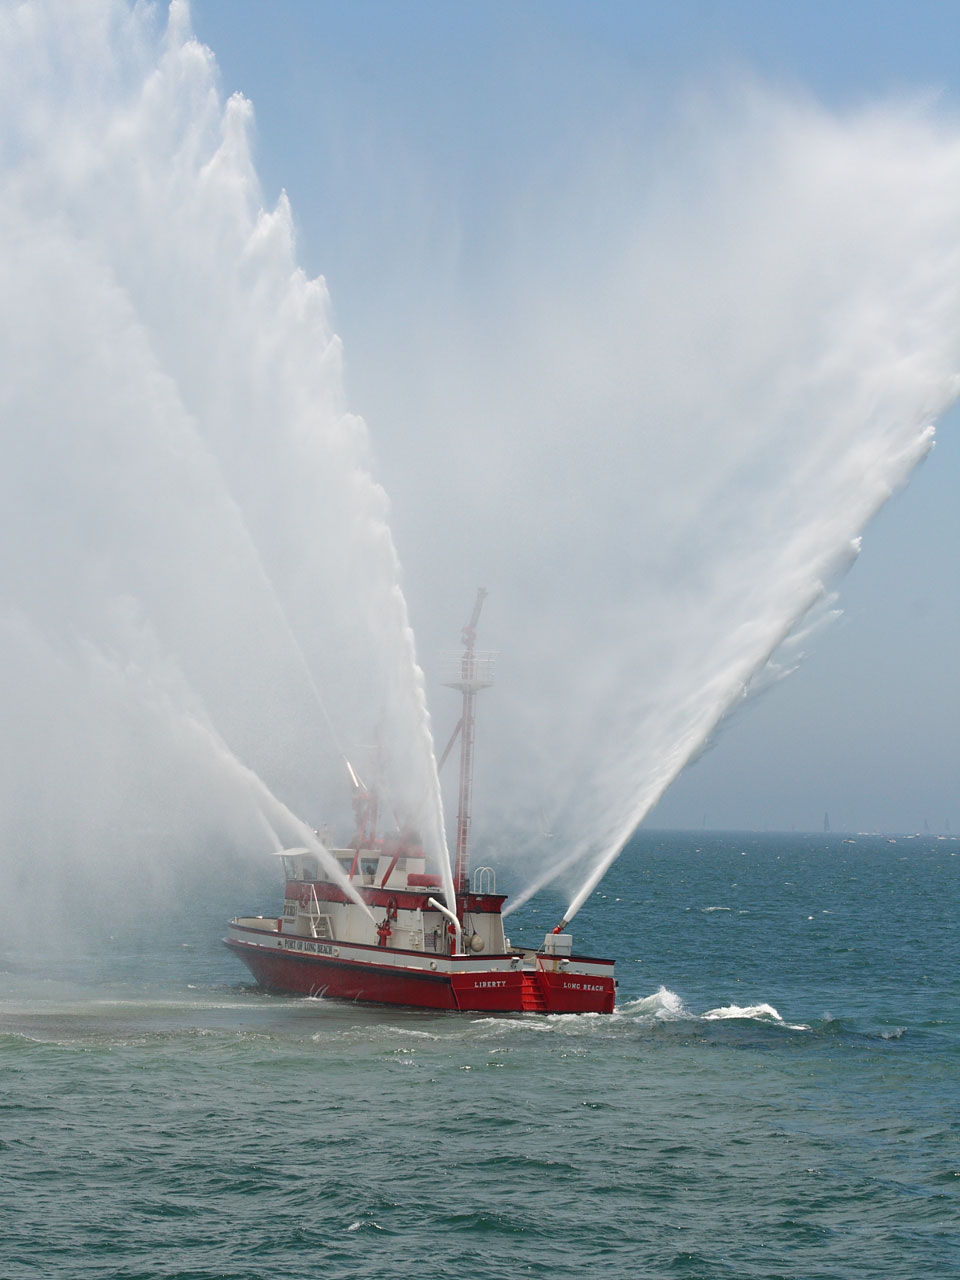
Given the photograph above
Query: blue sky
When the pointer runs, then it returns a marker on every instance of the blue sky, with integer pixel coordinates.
(408, 136)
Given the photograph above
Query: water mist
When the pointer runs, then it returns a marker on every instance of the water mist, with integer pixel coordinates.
(707, 382)
(696, 420)
(184, 492)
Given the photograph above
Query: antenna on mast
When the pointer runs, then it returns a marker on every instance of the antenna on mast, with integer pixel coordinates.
(469, 672)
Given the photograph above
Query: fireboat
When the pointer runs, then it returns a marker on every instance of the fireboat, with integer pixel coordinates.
(366, 923)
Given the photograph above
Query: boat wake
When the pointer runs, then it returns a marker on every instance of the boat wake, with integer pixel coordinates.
(661, 1008)
(752, 1012)
(666, 1005)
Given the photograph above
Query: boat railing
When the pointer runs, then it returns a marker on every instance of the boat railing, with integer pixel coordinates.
(469, 672)
(320, 926)
(484, 880)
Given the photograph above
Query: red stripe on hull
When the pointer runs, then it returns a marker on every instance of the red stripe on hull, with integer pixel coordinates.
(341, 980)
(406, 899)
(489, 991)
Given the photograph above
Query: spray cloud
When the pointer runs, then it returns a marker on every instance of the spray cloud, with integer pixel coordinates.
(192, 537)
(717, 354)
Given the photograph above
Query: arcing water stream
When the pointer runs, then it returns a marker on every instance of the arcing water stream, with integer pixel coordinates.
(766, 342)
(793, 325)
(184, 490)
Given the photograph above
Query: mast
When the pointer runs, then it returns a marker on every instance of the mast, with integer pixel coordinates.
(475, 672)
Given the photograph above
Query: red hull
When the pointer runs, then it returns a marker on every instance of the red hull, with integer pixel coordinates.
(362, 922)
(506, 991)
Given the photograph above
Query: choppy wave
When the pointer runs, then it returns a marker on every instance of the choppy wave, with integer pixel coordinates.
(173, 1085)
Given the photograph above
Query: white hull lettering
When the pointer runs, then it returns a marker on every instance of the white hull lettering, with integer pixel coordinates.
(312, 948)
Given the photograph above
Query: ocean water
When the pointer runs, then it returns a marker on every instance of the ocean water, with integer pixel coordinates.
(777, 1095)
